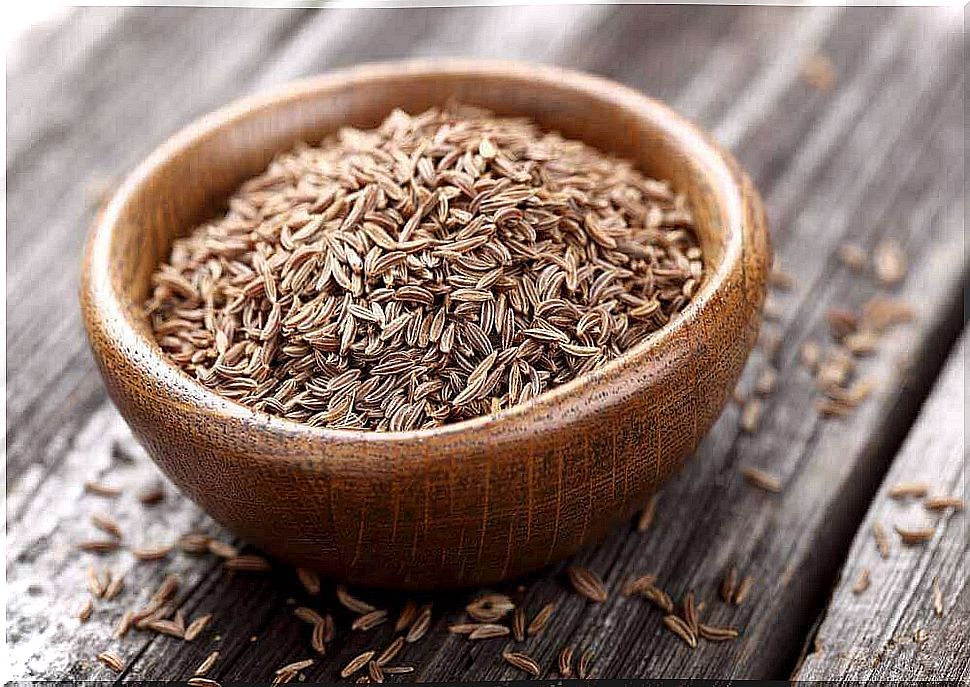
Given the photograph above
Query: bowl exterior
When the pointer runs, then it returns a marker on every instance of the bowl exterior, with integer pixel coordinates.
(468, 504)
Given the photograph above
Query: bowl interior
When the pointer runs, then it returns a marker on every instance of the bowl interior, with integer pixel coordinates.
(189, 179)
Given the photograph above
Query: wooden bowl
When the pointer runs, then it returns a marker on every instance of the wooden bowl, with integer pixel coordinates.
(472, 502)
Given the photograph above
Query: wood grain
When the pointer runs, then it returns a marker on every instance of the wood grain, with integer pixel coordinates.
(877, 155)
(874, 635)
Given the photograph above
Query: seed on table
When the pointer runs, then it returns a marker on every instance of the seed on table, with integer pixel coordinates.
(99, 489)
(308, 615)
(106, 524)
(222, 549)
(207, 664)
(646, 515)
(196, 626)
(87, 608)
(587, 583)
(420, 626)
(248, 563)
(406, 617)
(199, 681)
(310, 580)
(375, 673)
(541, 619)
(761, 479)
(151, 495)
(193, 543)
(750, 416)
(523, 662)
(937, 597)
(99, 545)
(889, 262)
(881, 539)
(716, 634)
(583, 669)
(518, 624)
(111, 661)
(638, 584)
(392, 650)
(936, 503)
(728, 583)
(904, 490)
(356, 664)
(741, 593)
(853, 257)
(862, 583)
(488, 608)
(151, 553)
(369, 620)
(566, 662)
(352, 603)
(914, 536)
(489, 631)
(680, 628)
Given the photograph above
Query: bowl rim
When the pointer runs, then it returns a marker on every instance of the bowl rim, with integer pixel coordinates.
(106, 310)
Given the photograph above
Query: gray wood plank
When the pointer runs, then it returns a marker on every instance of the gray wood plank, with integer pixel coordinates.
(848, 164)
(876, 634)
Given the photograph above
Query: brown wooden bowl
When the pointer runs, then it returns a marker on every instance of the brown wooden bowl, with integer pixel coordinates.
(472, 502)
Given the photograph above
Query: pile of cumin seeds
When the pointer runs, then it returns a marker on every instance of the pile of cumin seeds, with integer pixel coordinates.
(439, 267)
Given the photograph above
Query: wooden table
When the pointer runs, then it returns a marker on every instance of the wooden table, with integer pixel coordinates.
(877, 153)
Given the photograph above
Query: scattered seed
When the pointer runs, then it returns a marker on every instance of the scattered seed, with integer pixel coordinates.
(587, 583)
(196, 626)
(659, 598)
(781, 280)
(222, 549)
(193, 543)
(369, 621)
(106, 524)
(296, 667)
(357, 663)
(318, 638)
(489, 631)
(152, 553)
(114, 587)
(151, 495)
(248, 563)
(308, 615)
(100, 489)
(766, 382)
(123, 625)
(861, 584)
(374, 672)
(490, 607)
(310, 580)
(818, 72)
(841, 322)
(943, 502)
(889, 262)
(392, 650)
(207, 664)
(353, 604)
(166, 590)
(741, 593)
(518, 624)
(716, 634)
(583, 669)
(523, 662)
(690, 612)
(111, 661)
(98, 581)
(920, 635)
(750, 416)
(810, 355)
(907, 489)
(861, 342)
(853, 257)
(646, 515)
(397, 670)
(406, 617)
(680, 628)
(881, 538)
(761, 479)
(199, 681)
(541, 619)
(99, 545)
(87, 608)
(420, 626)
(638, 585)
(912, 537)
(566, 662)
(881, 312)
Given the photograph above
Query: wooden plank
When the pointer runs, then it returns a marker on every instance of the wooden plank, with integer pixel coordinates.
(877, 635)
(804, 152)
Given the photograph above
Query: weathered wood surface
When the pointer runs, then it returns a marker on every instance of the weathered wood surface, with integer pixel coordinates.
(878, 155)
(876, 634)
